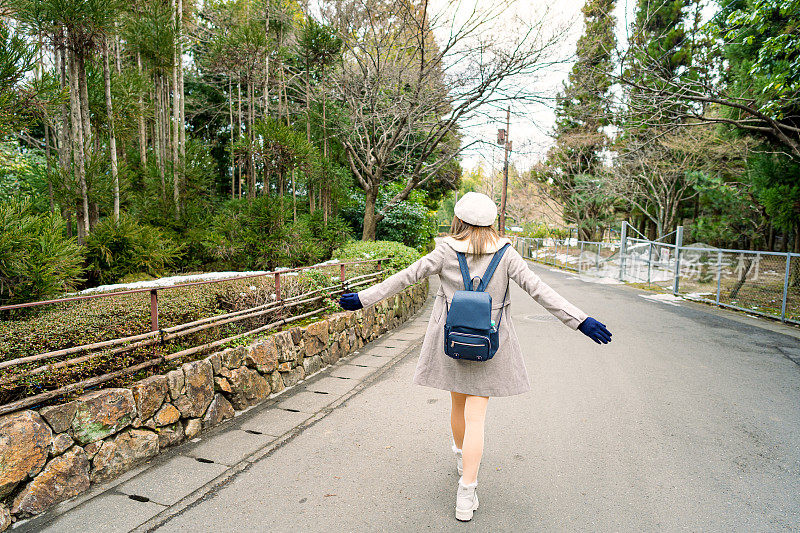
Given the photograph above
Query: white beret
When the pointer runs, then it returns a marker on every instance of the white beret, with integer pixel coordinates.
(476, 209)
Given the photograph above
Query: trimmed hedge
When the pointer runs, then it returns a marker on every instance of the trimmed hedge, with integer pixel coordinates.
(399, 255)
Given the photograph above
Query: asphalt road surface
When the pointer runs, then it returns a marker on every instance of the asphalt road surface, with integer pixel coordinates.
(688, 420)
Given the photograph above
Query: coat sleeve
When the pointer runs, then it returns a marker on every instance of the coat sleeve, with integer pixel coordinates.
(541, 292)
(424, 267)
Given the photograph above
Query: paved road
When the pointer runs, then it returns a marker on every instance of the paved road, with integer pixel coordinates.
(689, 420)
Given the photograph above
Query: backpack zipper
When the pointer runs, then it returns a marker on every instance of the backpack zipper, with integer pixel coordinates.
(453, 344)
(484, 337)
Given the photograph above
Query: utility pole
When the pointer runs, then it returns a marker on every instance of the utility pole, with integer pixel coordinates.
(503, 137)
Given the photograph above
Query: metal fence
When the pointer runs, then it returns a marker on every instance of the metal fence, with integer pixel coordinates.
(758, 282)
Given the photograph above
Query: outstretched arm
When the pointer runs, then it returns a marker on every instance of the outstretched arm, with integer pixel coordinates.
(542, 292)
(422, 268)
(555, 303)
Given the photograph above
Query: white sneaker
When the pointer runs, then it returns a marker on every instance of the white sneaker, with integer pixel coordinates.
(459, 459)
(466, 500)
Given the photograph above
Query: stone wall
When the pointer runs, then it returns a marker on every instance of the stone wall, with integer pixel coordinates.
(55, 453)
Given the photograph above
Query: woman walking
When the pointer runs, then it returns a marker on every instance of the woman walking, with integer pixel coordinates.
(472, 382)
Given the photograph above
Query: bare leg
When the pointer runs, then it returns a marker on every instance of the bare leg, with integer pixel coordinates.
(457, 417)
(472, 447)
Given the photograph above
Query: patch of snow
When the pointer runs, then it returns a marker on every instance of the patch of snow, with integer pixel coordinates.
(171, 280)
(601, 281)
(699, 295)
(176, 280)
(668, 299)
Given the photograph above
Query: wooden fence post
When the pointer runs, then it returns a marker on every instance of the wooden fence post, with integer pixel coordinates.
(153, 309)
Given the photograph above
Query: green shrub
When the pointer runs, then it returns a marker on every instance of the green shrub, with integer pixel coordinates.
(398, 255)
(410, 222)
(328, 236)
(540, 230)
(259, 234)
(36, 261)
(23, 175)
(249, 234)
(115, 250)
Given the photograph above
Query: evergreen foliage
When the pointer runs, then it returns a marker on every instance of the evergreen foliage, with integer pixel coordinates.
(117, 249)
(583, 114)
(36, 260)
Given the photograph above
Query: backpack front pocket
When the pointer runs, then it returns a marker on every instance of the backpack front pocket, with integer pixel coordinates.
(467, 346)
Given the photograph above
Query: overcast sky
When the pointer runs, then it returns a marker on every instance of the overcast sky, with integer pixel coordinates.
(531, 125)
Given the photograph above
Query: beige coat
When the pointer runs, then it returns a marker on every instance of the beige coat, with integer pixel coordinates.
(505, 373)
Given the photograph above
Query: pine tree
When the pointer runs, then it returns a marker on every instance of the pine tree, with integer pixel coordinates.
(582, 113)
(660, 50)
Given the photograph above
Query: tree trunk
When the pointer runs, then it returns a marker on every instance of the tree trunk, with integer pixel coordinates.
(251, 168)
(233, 140)
(181, 95)
(112, 141)
(88, 139)
(326, 206)
(266, 63)
(241, 123)
(64, 144)
(76, 138)
(294, 196)
(158, 147)
(166, 124)
(324, 134)
(770, 237)
(176, 115)
(84, 101)
(285, 101)
(142, 126)
(308, 102)
(370, 220)
(50, 197)
(117, 50)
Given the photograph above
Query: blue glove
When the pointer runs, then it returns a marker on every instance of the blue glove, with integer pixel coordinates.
(595, 330)
(350, 301)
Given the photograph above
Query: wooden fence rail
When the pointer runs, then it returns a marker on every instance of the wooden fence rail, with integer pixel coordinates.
(160, 336)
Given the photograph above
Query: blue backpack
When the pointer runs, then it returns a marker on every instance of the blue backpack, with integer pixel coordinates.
(469, 332)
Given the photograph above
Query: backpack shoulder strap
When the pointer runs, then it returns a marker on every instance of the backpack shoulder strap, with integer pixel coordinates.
(462, 263)
(487, 276)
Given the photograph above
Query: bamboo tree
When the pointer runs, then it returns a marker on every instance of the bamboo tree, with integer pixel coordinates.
(233, 139)
(141, 119)
(64, 145)
(241, 133)
(77, 141)
(157, 134)
(176, 113)
(265, 111)
(112, 140)
(181, 91)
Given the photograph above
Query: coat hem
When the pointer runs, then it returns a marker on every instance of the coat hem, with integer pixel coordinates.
(491, 393)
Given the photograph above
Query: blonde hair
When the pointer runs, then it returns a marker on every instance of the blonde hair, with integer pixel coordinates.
(479, 236)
